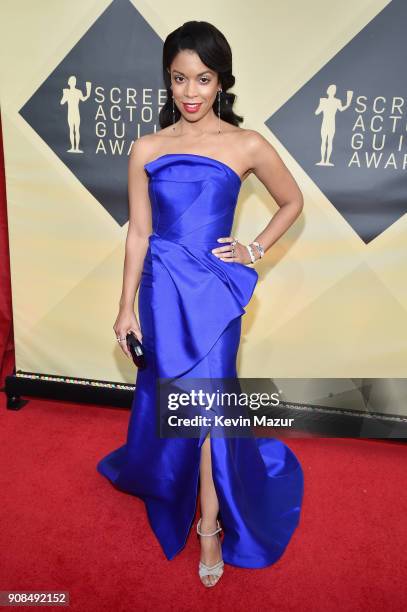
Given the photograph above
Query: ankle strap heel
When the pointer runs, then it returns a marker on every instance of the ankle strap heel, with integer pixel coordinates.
(215, 570)
(198, 529)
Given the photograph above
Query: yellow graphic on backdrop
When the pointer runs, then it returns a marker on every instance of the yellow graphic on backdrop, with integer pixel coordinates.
(72, 97)
(328, 107)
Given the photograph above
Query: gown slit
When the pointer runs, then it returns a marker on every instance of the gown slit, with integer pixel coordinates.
(190, 306)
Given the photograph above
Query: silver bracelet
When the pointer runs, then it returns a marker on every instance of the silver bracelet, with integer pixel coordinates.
(259, 247)
(252, 257)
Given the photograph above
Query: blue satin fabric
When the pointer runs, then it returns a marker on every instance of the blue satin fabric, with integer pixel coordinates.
(190, 307)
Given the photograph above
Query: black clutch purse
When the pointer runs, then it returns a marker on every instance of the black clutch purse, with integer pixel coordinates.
(136, 350)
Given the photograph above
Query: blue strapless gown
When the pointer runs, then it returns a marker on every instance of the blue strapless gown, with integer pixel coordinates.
(190, 307)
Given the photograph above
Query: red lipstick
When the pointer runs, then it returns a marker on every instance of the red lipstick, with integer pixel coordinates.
(192, 108)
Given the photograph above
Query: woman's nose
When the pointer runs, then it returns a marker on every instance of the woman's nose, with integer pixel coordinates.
(190, 92)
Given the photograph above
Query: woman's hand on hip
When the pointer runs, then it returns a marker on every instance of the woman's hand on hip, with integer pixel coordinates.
(225, 253)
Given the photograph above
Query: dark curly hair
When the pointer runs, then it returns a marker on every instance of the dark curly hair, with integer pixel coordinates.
(215, 52)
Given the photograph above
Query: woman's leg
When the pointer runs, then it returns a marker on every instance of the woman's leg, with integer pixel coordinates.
(219, 363)
(211, 551)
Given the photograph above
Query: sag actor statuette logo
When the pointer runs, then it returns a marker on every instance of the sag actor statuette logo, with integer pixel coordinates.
(72, 96)
(329, 107)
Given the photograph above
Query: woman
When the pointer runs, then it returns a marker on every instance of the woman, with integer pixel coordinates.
(194, 280)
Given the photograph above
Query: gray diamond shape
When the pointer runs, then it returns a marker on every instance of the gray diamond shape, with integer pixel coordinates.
(120, 50)
(367, 187)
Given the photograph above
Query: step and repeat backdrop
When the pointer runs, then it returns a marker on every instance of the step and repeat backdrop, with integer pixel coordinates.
(81, 81)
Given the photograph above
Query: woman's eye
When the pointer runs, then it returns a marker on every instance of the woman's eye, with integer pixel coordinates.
(205, 79)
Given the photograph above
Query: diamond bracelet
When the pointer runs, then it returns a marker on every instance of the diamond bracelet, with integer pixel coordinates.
(259, 248)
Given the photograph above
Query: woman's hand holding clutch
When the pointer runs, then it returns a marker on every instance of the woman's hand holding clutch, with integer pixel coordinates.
(126, 321)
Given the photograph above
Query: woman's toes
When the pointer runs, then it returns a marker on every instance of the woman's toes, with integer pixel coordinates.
(207, 580)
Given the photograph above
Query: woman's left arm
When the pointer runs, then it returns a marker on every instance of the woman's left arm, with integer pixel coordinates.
(270, 169)
(273, 173)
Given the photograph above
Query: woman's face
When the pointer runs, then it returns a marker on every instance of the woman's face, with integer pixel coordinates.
(194, 85)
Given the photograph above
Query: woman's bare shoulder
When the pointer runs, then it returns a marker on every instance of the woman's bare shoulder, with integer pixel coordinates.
(249, 138)
(245, 145)
(255, 146)
(147, 147)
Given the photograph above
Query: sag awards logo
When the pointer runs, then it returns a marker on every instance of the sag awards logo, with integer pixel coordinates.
(103, 95)
(115, 114)
(370, 129)
(351, 140)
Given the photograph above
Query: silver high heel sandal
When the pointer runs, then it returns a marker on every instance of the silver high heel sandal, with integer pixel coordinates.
(210, 570)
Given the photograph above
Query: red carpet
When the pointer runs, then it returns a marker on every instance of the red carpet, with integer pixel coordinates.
(64, 527)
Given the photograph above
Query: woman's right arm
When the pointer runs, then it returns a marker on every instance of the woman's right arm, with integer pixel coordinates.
(138, 232)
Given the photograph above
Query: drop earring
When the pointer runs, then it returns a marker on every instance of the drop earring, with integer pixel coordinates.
(219, 90)
(173, 114)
